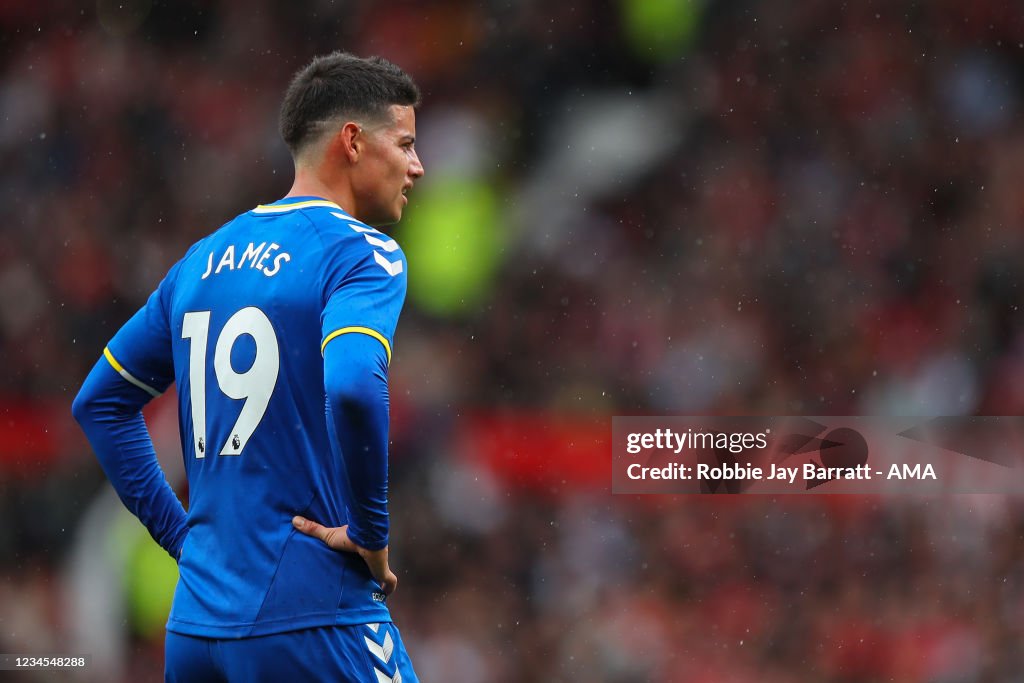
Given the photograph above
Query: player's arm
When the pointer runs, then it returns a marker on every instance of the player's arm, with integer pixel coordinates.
(355, 381)
(358, 322)
(135, 367)
(356, 384)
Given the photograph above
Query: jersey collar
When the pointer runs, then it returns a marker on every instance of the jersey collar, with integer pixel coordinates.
(296, 203)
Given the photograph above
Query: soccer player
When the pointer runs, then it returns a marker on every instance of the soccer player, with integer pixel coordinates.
(278, 330)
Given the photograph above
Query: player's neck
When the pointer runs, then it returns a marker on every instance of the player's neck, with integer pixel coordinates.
(308, 184)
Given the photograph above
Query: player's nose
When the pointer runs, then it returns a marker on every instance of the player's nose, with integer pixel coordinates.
(416, 170)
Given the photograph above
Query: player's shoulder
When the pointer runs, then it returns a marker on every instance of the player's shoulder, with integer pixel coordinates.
(347, 241)
(349, 238)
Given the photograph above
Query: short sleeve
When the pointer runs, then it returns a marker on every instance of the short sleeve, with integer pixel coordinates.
(367, 299)
(141, 350)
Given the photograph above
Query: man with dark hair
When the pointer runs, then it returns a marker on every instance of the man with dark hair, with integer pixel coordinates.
(278, 330)
(342, 84)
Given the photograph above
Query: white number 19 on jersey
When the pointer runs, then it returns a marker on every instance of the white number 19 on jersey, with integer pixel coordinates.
(255, 385)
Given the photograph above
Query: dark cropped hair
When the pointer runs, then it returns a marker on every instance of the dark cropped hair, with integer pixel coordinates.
(342, 85)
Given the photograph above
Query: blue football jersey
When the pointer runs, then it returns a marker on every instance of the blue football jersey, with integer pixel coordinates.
(240, 324)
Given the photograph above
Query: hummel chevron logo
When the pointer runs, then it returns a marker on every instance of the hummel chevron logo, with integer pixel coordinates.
(387, 245)
(383, 652)
(354, 226)
(393, 267)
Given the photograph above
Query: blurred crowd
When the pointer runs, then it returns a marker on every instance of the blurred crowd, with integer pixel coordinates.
(630, 207)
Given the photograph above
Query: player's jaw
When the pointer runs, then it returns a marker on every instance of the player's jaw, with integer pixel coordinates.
(391, 208)
(413, 171)
(399, 194)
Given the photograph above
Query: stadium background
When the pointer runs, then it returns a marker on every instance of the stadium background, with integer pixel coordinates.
(631, 207)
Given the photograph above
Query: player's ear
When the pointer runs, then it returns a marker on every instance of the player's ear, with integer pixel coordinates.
(348, 142)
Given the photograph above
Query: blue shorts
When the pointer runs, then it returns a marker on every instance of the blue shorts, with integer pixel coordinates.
(368, 653)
